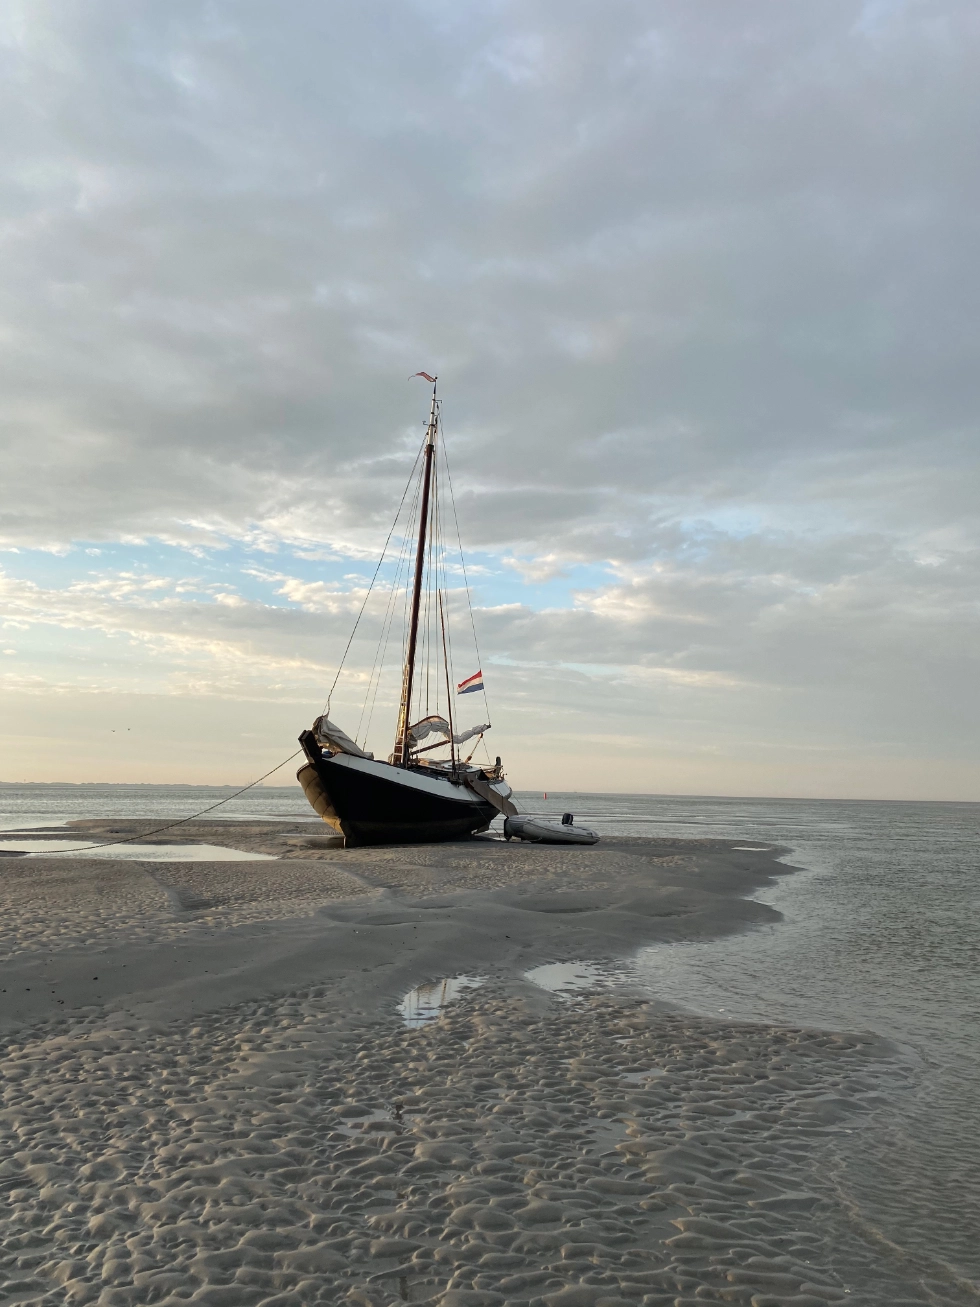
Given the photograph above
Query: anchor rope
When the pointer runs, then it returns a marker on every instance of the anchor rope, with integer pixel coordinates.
(133, 839)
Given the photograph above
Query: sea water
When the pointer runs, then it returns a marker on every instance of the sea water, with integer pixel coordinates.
(879, 930)
(24, 807)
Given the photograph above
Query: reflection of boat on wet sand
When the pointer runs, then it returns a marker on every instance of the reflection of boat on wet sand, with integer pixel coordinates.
(413, 796)
(425, 1002)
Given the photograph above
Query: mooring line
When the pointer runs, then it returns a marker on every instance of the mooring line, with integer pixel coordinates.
(133, 839)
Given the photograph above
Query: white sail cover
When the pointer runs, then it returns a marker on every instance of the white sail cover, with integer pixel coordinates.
(463, 736)
(433, 725)
(329, 736)
(436, 725)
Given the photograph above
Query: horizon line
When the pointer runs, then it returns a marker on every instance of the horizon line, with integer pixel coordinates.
(634, 794)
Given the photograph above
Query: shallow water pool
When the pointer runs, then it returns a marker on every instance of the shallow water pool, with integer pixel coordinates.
(424, 1003)
(135, 852)
(564, 977)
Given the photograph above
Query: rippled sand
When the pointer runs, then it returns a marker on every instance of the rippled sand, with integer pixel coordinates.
(587, 1153)
(228, 1110)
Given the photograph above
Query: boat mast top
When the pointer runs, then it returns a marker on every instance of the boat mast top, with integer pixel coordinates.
(400, 751)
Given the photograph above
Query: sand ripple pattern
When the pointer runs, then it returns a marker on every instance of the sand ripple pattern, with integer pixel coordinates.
(61, 903)
(51, 904)
(585, 1154)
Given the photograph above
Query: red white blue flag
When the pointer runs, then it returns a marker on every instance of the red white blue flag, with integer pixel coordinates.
(474, 682)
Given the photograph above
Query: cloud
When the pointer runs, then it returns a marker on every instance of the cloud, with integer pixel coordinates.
(700, 283)
(219, 639)
(544, 568)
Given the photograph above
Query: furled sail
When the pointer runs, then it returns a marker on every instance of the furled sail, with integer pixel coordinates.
(332, 737)
(436, 725)
(463, 736)
(432, 725)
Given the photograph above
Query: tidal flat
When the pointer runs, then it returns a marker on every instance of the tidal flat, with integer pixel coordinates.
(211, 1092)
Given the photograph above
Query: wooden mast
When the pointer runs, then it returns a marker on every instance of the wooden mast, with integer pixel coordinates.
(400, 752)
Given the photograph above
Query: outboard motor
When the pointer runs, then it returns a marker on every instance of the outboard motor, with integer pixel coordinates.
(567, 818)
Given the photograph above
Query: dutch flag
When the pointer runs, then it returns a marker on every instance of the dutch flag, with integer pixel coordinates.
(474, 682)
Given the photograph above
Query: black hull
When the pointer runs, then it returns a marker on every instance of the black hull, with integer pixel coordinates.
(370, 809)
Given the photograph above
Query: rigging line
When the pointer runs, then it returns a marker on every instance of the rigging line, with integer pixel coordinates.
(440, 585)
(409, 585)
(449, 706)
(466, 582)
(377, 666)
(427, 619)
(392, 591)
(386, 631)
(397, 595)
(452, 676)
(447, 635)
(440, 580)
(133, 839)
(326, 706)
(447, 651)
(410, 688)
(400, 563)
(432, 586)
(432, 634)
(374, 685)
(437, 582)
(434, 566)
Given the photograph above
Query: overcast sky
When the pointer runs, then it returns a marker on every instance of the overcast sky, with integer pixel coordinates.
(700, 282)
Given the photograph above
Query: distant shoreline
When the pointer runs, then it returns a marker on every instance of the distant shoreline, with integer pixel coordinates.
(526, 795)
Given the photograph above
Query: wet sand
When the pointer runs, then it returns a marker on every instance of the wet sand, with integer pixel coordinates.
(208, 1093)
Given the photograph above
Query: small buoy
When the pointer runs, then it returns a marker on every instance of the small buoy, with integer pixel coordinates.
(546, 794)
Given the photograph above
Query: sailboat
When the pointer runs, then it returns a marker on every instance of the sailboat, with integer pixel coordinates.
(415, 795)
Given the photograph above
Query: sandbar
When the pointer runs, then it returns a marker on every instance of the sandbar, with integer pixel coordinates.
(210, 1096)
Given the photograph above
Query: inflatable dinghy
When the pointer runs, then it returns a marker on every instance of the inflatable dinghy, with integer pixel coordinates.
(539, 830)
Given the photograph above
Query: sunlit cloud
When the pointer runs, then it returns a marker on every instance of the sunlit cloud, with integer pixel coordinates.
(700, 286)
